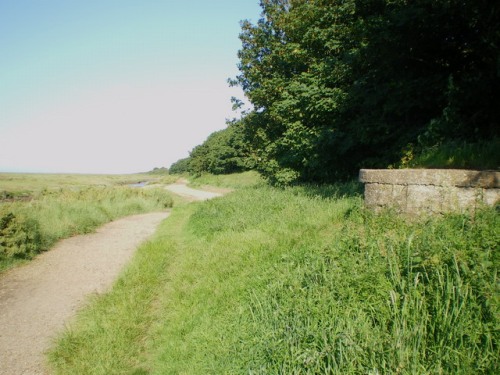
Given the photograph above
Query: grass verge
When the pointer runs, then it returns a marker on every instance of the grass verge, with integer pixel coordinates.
(298, 281)
(230, 181)
(110, 335)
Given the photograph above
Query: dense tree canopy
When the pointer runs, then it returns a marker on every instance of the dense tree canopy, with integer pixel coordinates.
(340, 84)
(337, 85)
(223, 152)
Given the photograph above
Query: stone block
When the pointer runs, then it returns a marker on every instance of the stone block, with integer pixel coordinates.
(415, 191)
(437, 177)
(491, 196)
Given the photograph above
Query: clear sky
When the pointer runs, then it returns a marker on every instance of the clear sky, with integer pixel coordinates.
(114, 86)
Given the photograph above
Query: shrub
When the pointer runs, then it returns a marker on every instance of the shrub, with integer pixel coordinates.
(19, 237)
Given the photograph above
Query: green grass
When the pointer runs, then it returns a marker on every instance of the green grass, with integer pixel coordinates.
(298, 281)
(110, 335)
(32, 226)
(34, 183)
(231, 181)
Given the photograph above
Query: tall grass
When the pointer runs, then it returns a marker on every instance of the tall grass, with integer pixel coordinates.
(232, 181)
(29, 227)
(37, 182)
(300, 281)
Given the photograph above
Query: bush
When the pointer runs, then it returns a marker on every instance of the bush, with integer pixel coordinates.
(19, 237)
(180, 166)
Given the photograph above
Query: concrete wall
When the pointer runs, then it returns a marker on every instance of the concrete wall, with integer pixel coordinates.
(416, 191)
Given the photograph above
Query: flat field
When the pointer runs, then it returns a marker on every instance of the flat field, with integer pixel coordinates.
(34, 182)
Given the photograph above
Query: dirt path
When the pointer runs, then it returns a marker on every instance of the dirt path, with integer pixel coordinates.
(192, 194)
(37, 300)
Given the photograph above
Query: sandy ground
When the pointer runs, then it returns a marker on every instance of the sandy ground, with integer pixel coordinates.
(192, 194)
(37, 300)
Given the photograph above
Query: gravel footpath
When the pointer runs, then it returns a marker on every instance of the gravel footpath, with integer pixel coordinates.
(37, 300)
(191, 194)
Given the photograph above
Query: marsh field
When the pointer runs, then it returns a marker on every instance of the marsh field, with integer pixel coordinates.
(300, 280)
(36, 210)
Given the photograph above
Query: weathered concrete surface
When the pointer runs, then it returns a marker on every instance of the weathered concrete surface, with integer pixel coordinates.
(415, 191)
(436, 177)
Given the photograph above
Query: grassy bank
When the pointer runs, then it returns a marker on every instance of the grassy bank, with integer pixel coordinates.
(302, 280)
(33, 219)
(233, 181)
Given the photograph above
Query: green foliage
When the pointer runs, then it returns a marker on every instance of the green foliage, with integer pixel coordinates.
(223, 152)
(463, 155)
(300, 280)
(341, 85)
(180, 166)
(158, 171)
(19, 237)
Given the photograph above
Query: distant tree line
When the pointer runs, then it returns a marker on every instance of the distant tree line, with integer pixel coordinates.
(223, 152)
(337, 85)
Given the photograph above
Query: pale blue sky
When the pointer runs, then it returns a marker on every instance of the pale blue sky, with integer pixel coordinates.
(114, 86)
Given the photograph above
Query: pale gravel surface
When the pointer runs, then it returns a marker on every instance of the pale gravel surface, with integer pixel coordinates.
(193, 194)
(39, 299)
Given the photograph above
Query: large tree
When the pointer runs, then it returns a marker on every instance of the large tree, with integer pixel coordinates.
(339, 84)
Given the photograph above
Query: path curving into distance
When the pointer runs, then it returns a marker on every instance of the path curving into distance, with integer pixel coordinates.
(191, 194)
(37, 300)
